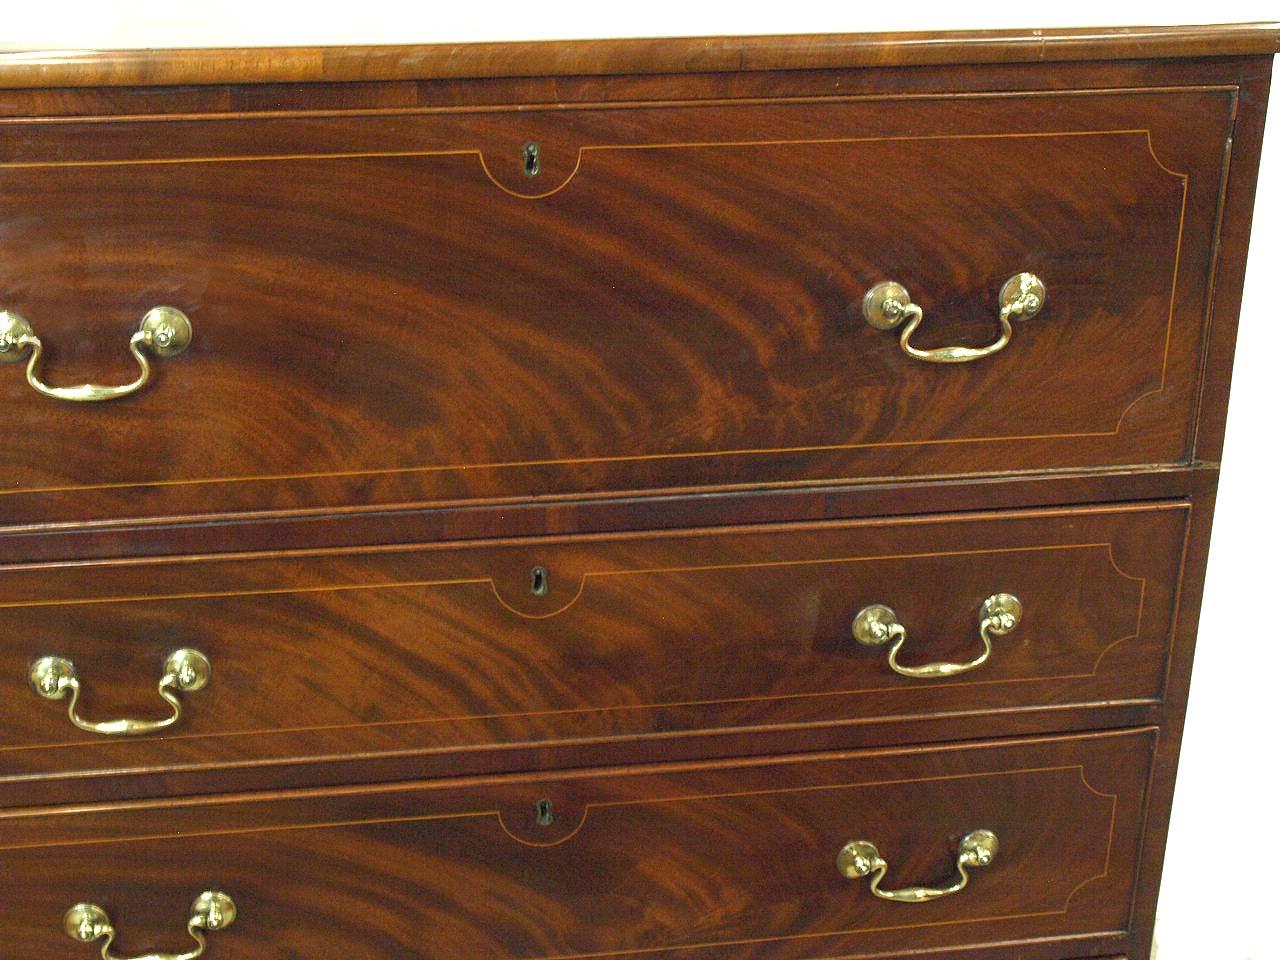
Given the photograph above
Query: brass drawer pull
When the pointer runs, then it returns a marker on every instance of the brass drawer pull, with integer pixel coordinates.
(860, 858)
(877, 625)
(185, 670)
(165, 331)
(887, 304)
(87, 922)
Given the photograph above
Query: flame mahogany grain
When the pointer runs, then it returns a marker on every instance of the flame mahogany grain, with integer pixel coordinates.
(680, 418)
(376, 651)
(667, 861)
(387, 310)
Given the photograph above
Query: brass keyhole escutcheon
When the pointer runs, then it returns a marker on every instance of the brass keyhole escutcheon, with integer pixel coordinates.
(542, 812)
(539, 581)
(532, 158)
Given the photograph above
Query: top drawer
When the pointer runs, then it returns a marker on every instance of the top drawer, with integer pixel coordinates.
(393, 306)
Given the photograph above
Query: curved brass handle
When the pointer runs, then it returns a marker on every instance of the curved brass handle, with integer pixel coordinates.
(186, 670)
(877, 625)
(860, 858)
(165, 331)
(212, 910)
(887, 304)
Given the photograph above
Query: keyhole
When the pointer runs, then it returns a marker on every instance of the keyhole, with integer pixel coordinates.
(532, 159)
(543, 810)
(539, 582)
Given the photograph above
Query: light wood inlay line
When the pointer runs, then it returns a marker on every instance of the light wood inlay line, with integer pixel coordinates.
(456, 581)
(593, 105)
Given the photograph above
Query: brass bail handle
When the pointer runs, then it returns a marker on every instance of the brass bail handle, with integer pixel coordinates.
(860, 858)
(212, 910)
(877, 625)
(887, 304)
(164, 331)
(185, 671)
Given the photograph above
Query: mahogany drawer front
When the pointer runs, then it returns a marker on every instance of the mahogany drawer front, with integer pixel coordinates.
(698, 860)
(343, 653)
(388, 309)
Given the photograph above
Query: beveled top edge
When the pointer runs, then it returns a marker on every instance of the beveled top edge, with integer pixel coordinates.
(91, 68)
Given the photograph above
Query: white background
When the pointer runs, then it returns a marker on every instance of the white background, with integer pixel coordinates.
(1223, 859)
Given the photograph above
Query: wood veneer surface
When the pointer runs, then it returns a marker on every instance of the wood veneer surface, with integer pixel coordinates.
(52, 68)
(97, 106)
(377, 651)
(703, 860)
(387, 309)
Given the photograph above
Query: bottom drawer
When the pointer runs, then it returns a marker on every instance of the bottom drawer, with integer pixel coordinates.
(711, 860)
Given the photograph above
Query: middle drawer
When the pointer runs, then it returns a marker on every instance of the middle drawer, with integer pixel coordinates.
(445, 648)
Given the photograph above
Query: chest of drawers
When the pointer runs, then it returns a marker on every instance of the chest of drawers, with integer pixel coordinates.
(680, 499)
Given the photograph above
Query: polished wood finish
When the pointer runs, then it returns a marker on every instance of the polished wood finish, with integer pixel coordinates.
(676, 55)
(360, 289)
(292, 494)
(654, 861)
(367, 525)
(447, 649)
